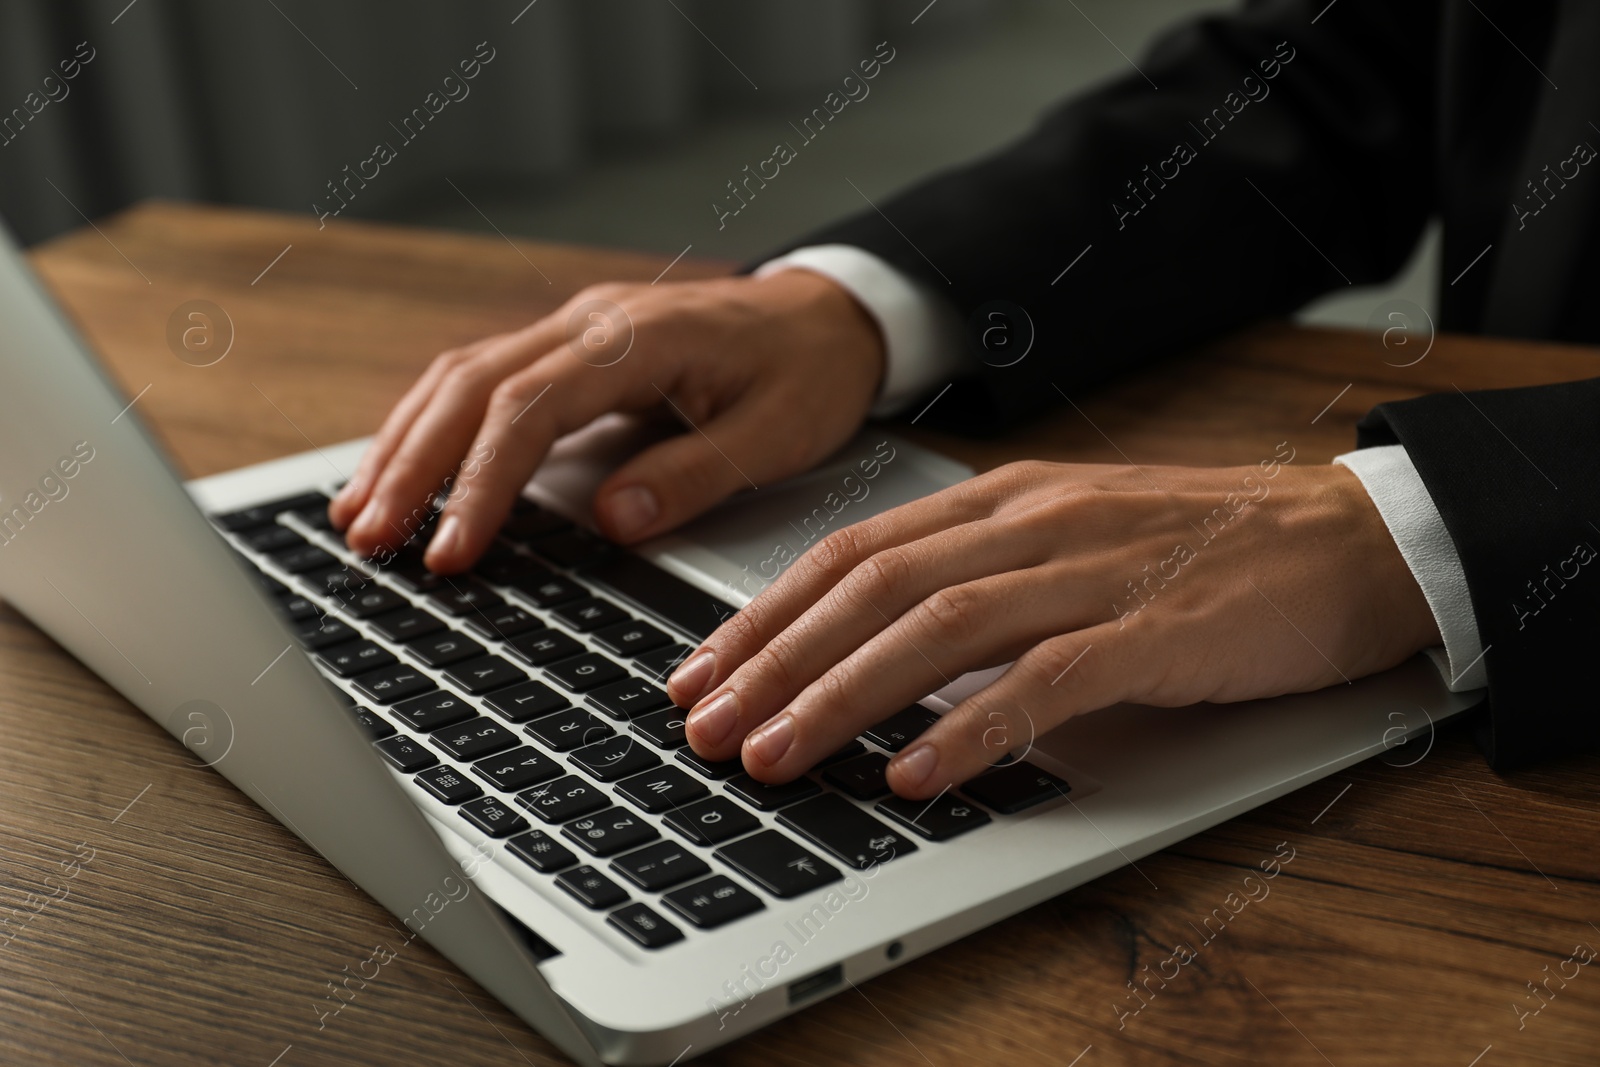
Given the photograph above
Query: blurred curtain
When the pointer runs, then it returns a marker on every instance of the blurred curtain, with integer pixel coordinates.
(264, 102)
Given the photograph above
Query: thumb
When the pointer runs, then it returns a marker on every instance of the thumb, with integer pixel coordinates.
(673, 481)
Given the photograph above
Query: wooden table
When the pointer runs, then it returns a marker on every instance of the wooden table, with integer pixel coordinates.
(1420, 902)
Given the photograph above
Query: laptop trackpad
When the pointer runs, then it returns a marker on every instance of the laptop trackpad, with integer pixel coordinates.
(742, 545)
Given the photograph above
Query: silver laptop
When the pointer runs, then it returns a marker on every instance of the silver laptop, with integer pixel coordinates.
(491, 757)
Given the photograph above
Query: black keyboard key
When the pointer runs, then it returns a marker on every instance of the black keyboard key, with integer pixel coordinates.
(939, 819)
(433, 711)
(766, 797)
(315, 515)
(526, 525)
(541, 647)
(502, 623)
(350, 659)
(716, 770)
(862, 777)
(628, 698)
(459, 598)
(405, 625)
(563, 799)
(848, 750)
(516, 770)
(901, 728)
(273, 538)
(268, 582)
(265, 513)
(444, 647)
(485, 674)
(712, 902)
(591, 887)
(583, 673)
(660, 866)
(590, 614)
(410, 574)
(630, 638)
(711, 821)
(503, 570)
(605, 833)
(323, 632)
(406, 753)
(374, 600)
(661, 662)
(303, 559)
(500, 559)
(645, 927)
(341, 696)
(448, 785)
(662, 728)
(541, 852)
(670, 597)
(547, 589)
(845, 831)
(474, 739)
(777, 864)
(1012, 788)
(377, 729)
(393, 684)
(493, 817)
(614, 758)
(297, 608)
(340, 583)
(564, 731)
(571, 548)
(662, 789)
(521, 703)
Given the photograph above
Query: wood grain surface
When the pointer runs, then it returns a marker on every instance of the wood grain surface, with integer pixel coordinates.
(156, 916)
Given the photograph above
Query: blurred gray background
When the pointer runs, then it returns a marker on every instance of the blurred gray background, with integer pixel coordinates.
(612, 122)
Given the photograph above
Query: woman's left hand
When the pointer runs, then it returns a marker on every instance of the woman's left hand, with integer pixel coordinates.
(1157, 585)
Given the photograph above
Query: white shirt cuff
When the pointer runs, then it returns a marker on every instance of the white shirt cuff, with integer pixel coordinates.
(1391, 479)
(921, 332)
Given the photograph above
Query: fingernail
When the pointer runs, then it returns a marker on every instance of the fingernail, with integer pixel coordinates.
(771, 741)
(694, 677)
(365, 518)
(716, 720)
(348, 491)
(917, 766)
(631, 510)
(444, 540)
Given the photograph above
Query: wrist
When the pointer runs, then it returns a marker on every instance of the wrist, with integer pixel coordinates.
(818, 304)
(1399, 604)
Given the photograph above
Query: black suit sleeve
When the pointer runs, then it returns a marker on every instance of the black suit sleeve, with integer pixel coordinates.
(1288, 186)
(1513, 472)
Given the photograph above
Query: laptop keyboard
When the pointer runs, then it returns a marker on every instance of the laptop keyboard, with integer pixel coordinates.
(526, 697)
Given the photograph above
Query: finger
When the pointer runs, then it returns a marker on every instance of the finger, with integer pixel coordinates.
(670, 483)
(822, 567)
(1046, 686)
(349, 501)
(870, 600)
(438, 438)
(523, 417)
(959, 629)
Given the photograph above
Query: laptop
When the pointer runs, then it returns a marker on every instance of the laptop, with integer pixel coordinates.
(492, 758)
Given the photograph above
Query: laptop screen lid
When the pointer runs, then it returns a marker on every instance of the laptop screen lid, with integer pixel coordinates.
(102, 548)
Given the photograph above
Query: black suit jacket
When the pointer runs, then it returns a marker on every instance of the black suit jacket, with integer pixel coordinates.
(1260, 159)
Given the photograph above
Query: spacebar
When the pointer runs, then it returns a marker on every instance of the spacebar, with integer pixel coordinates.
(672, 598)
